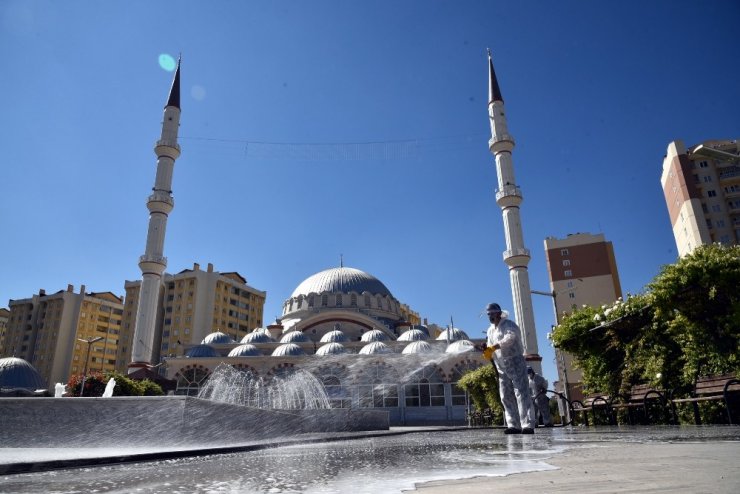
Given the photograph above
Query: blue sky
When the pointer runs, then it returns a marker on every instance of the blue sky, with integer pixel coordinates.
(281, 102)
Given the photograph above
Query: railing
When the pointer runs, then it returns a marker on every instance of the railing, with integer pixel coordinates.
(157, 259)
(516, 253)
(507, 191)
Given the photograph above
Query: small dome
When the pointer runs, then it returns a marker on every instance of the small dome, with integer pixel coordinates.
(374, 348)
(295, 337)
(217, 338)
(417, 347)
(257, 337)
(16, 373)
(455, 334)
(374, 335)
(246, 350)
(334, 336)
(201, 351)
(288, 350)
(460, 346)
(422, 328)
(413, 335)
(331, 348)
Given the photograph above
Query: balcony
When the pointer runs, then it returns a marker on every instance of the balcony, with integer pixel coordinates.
(516, 257)
(509, 195)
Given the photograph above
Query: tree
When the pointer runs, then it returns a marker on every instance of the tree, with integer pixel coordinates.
(95, 385)
(482, 386)
(686, 324)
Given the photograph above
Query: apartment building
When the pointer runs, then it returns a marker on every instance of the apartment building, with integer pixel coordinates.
(701, 185)
(583, 271)
(194, 303)
(51, 332)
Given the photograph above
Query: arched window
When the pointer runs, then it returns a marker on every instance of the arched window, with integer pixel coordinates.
(353, 300)
(324, 300)
(189, 381)
(459, 395)
(377, 387)
(426, 389)
(310, 301)
(339, 396)
(380, 303)
(367, 301)
(339, 300)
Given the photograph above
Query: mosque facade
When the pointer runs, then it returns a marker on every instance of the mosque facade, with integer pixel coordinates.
(345, 327)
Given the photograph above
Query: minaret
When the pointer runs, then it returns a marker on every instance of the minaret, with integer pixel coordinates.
(509, 197)
(160, 204)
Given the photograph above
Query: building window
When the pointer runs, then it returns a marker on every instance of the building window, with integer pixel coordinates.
(339, 300)
(709, 223)
(720, 223)
(716, 208)
(571, 295)
(707, 178)
(566, 262)
(703, 164)
(711, 193)
(564, 252)
(696, 181)
(568, 273)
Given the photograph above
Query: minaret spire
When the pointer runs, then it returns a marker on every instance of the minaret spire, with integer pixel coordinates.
(494, 92)
(509, 198)
(145, 347)
(174, 99)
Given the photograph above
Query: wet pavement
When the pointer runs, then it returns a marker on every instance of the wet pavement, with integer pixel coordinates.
(383, 464)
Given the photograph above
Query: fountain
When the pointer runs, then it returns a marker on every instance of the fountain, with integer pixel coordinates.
(109, 388)
(59, 390)
(298, 390)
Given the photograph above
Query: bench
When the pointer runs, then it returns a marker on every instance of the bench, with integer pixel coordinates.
(709, 388)
(591, 403)
(639, 396)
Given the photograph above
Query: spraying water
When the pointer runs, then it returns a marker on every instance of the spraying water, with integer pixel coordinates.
(297, 390)
(109, 388)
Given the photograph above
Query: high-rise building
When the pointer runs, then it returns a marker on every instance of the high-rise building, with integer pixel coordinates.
(191, 305)
(509, 198)
(46, 330)
(701, 185)
(583, 271)
(4, 316)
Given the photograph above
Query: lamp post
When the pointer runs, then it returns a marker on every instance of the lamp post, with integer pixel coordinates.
(558, 353)
(89, 342)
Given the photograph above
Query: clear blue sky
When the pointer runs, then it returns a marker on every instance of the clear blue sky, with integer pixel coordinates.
(594, 93)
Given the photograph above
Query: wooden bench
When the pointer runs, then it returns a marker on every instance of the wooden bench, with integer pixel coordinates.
(591, 403)
(639, 396)
(709, 388)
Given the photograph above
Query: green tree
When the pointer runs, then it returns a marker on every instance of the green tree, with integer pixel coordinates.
(686, 324)
(482, 386)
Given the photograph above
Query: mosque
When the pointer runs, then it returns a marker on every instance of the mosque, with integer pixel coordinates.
(346, 328)
(342, 325)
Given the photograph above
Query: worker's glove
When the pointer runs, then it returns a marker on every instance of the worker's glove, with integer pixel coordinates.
(488, 353)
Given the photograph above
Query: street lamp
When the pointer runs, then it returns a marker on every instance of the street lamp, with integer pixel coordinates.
(89, 342)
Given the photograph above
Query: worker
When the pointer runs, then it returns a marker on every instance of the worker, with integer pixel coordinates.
(504, 338)
(540, 403)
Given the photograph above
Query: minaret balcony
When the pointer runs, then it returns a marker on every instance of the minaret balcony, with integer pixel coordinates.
(160, 202)
(508, 196)
(152, 264)
(168, 148)
(516, 257)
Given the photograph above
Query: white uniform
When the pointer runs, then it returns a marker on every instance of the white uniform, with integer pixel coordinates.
(538, 386)
(513, 384)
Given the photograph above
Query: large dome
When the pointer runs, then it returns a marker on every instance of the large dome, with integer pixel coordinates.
(344, 280)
